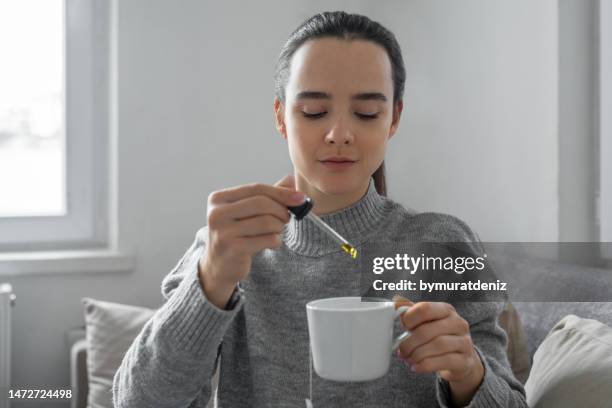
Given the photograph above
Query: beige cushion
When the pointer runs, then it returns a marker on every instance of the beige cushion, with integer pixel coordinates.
(517, 351)
(110, 330)
(573, 366)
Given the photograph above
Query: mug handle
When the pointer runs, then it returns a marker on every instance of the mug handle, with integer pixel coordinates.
(399, 339)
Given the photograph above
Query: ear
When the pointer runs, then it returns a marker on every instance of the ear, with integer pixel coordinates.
(279, 116)
(397, 112)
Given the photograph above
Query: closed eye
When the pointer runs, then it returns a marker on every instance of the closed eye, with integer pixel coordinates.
(366, 116)
(313, 115)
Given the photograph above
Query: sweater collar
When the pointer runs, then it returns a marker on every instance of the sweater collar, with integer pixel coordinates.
(354, 223)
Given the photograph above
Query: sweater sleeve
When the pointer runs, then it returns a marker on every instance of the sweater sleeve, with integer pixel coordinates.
(499, 387)
(172, 360)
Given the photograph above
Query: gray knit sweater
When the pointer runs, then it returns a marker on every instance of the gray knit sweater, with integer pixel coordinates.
(261, 343)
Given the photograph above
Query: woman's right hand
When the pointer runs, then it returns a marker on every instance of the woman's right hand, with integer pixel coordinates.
(242, 221)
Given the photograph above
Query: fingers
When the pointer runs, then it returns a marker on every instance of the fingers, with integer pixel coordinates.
(423, 312)
(452, 362)
(283, 195)
(439, 346)
(401, 301)
(259, 225)
(426, 332)
(242, 221)
(440, 340)
(242, 202)
(287, 181)
(249, 207)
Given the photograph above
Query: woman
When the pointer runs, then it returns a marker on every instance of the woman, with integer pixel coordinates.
(237, 297)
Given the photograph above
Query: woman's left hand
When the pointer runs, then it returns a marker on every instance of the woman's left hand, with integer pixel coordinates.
(441, 342)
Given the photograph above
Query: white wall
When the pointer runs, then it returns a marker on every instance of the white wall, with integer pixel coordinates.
(478, 137)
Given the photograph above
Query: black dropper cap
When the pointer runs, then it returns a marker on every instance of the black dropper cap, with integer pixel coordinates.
(301, 210)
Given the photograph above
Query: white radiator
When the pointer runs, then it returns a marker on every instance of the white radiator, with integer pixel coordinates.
(7, 300)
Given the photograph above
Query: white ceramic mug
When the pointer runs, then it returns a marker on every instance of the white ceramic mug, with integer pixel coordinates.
(351, 339)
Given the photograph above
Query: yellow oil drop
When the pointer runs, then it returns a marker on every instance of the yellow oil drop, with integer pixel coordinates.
(352, 251)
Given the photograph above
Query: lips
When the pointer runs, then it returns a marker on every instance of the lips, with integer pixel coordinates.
(336, 164)
(338, 159)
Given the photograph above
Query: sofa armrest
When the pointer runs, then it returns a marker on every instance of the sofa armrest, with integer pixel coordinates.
(78, 374)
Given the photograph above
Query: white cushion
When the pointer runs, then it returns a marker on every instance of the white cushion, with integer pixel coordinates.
(573, 366)
(110, 330)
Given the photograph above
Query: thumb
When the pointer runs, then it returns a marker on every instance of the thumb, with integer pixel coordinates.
(287, 181)
(401, 301)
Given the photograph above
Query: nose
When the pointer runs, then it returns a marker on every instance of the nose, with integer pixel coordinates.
(339, 134)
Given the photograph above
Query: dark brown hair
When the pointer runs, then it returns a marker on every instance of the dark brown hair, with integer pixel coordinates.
(340, 24)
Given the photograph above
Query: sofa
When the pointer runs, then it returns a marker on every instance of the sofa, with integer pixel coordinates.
(537, 317)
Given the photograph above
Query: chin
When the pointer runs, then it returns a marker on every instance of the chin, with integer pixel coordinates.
(336, 185)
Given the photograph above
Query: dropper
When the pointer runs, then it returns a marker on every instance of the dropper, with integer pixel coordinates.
(303, 210)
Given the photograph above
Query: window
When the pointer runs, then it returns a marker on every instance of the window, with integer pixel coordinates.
(54, 124)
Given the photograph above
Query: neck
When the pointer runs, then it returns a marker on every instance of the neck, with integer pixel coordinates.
(325, 203)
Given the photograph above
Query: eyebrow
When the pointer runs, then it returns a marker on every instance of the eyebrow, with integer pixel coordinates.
(363, 96)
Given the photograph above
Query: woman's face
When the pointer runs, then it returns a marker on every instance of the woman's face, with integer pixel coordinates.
(338, 104)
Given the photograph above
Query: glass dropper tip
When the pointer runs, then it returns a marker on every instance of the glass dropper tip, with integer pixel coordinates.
(352, 251)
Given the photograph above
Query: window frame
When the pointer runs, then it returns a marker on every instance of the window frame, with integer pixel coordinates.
(87, 34)
(605, 127)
